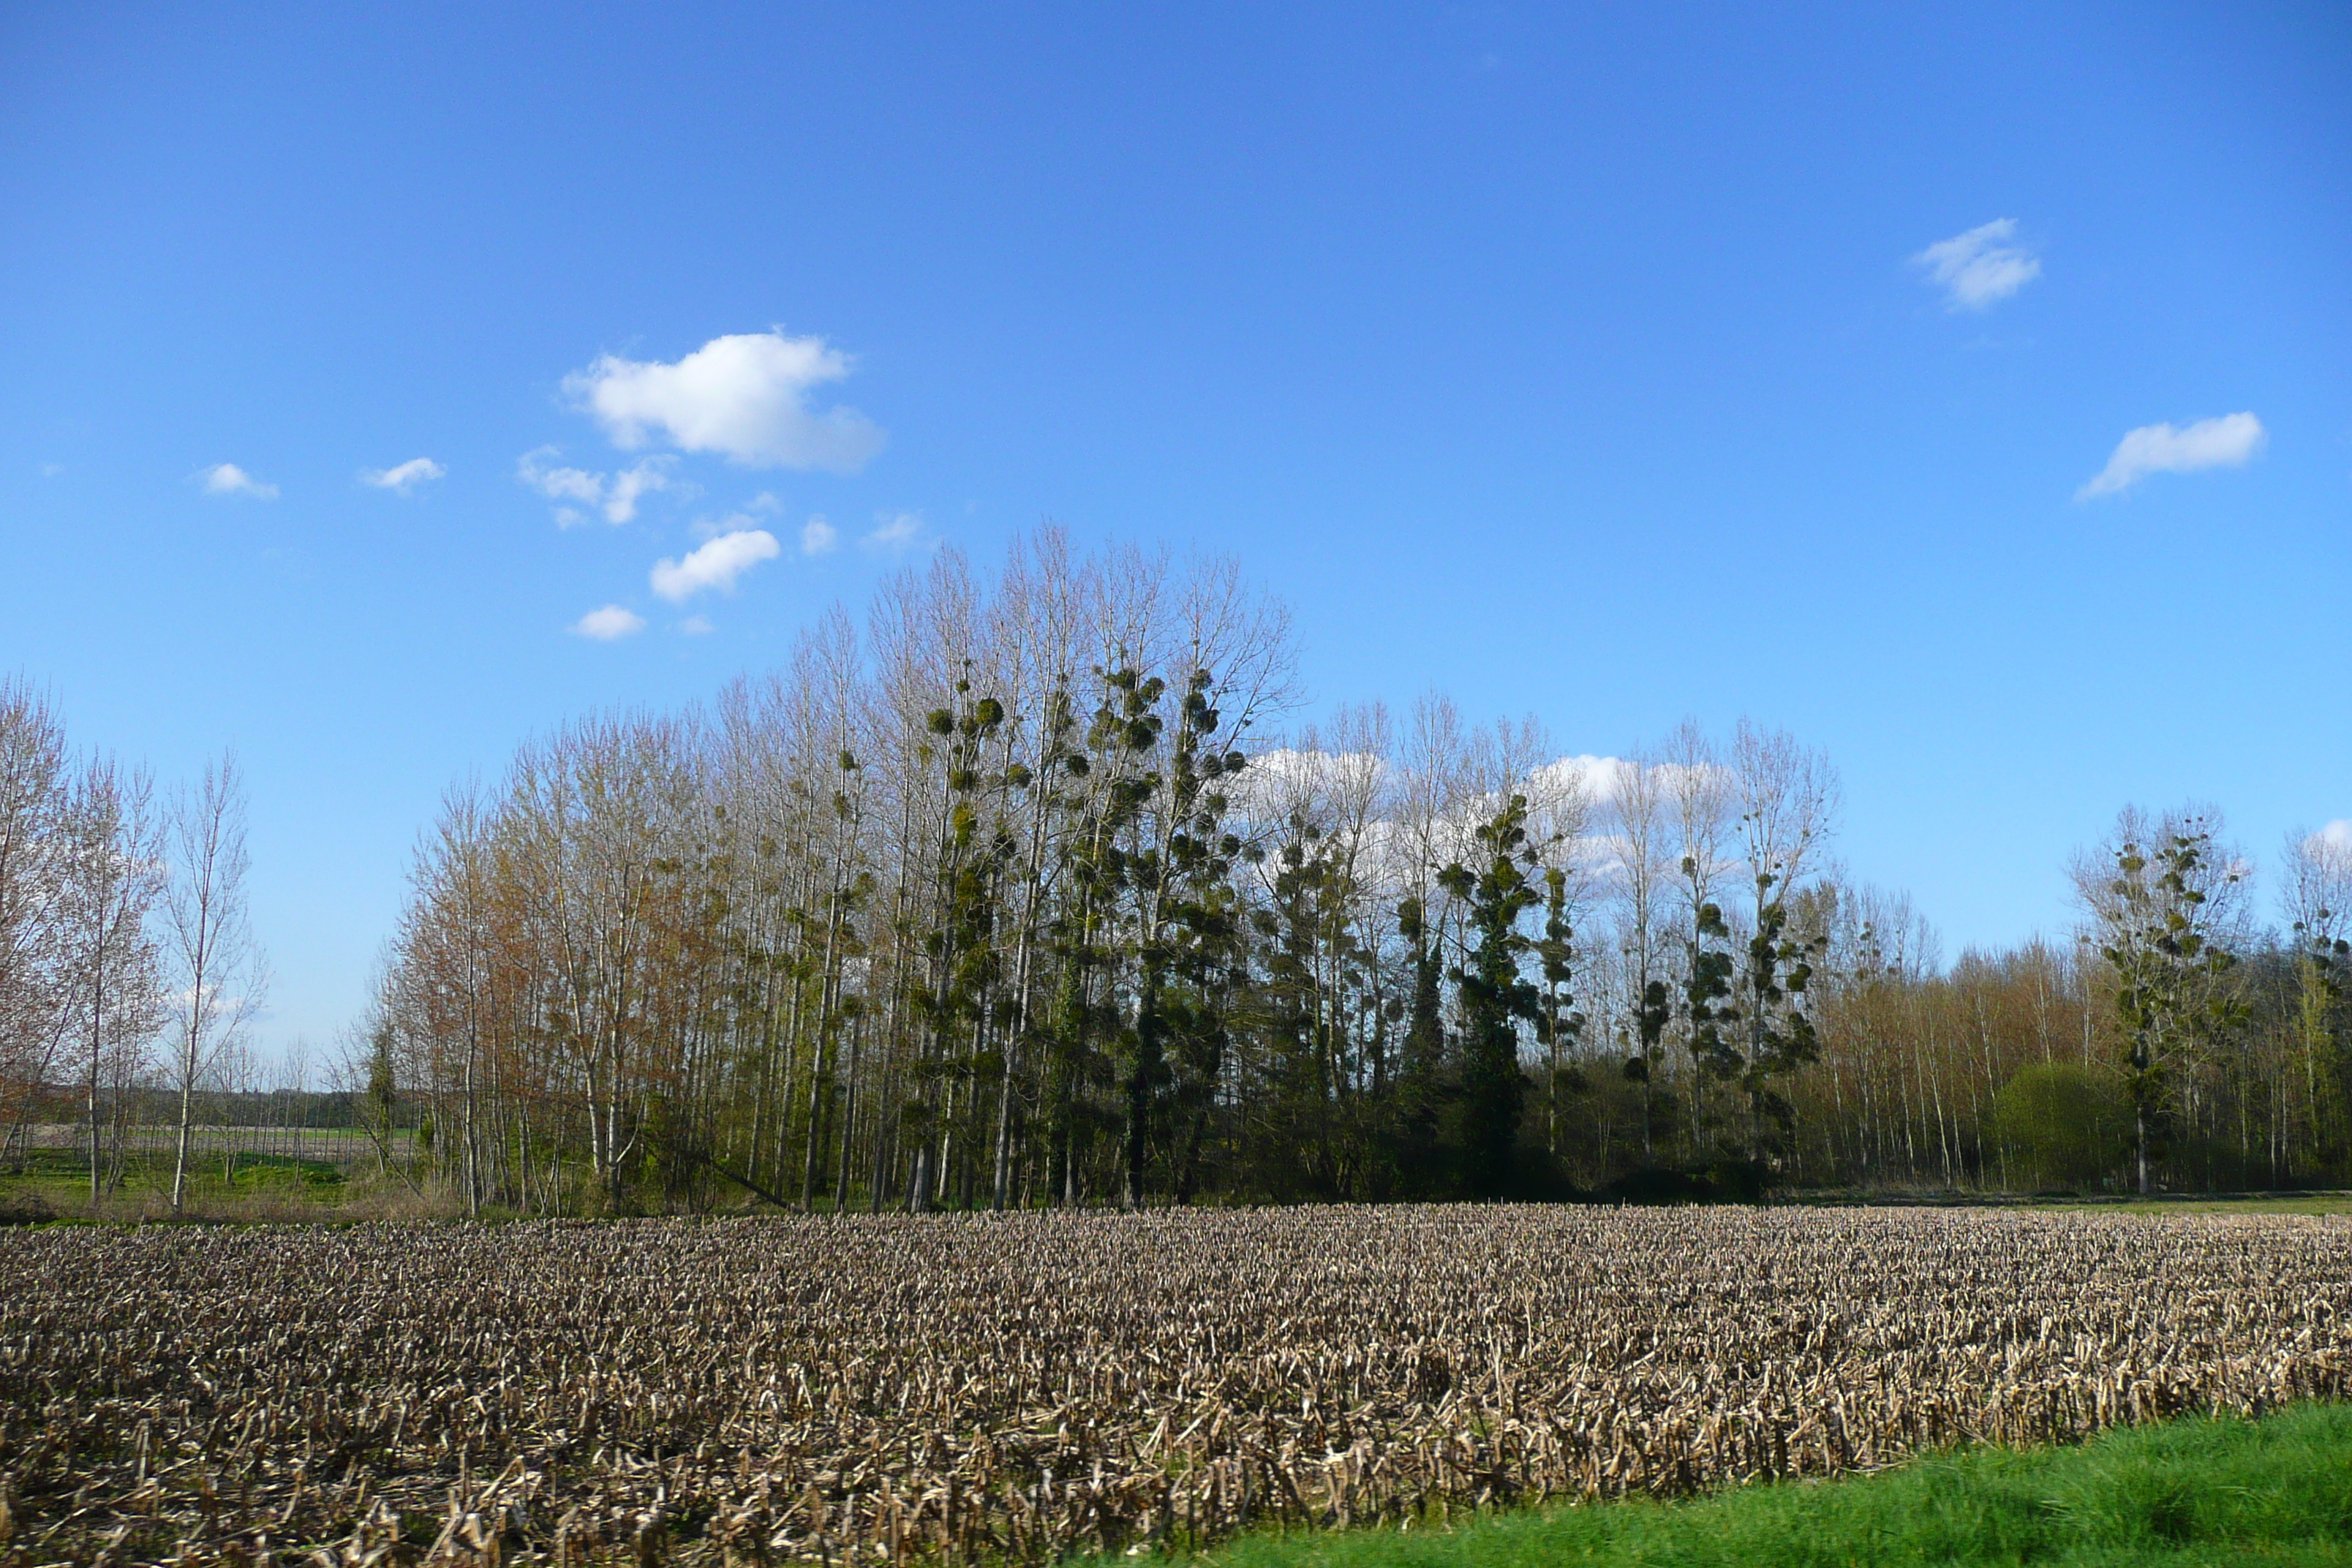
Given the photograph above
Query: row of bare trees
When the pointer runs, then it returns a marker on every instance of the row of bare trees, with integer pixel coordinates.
(126, 955)
(1014, 895)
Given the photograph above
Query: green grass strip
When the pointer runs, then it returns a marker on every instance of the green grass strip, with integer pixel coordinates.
(2201, 1491)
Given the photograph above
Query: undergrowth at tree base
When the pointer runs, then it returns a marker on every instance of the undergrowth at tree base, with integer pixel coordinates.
(2203, 1490)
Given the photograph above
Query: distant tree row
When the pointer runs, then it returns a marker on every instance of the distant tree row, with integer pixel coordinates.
(127, 962)
(1014, 895)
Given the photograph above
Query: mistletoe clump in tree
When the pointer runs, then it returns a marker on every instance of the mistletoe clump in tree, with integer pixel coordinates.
(2161, 910)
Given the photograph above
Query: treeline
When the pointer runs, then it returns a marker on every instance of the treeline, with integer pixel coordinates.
(149, 1104)
(1018, 895)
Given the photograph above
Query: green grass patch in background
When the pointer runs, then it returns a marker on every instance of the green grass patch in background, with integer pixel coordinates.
(318, 1177)
(2201, 1491)
(55, 1182)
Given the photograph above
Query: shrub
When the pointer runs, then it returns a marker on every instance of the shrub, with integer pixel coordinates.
(2063, 1124)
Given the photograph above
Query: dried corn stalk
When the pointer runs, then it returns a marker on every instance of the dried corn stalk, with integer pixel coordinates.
(1025, 1385)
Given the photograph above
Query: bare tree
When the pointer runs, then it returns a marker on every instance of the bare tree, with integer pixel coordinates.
(2316, 896)
(1787, 797)
(113, 875)
(218, 964)
(1636, 812)
(294, 1095)
(34, 1013)
(2316, 893)
(235, 1076)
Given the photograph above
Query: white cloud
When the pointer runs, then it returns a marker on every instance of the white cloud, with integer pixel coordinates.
(1594, 778)
(404, 476)
(818, 537)
(621, 499)
(2336, 836)
(896, 532)
(714, 565)
(743, 396)
(615, 495)
(696, 626)
(228, 479)
(2223, 443)
(1977, 269)
(559, 484)
(51, 470)
(608, 624)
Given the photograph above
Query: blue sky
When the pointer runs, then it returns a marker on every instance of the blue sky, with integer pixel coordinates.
(1579, 362)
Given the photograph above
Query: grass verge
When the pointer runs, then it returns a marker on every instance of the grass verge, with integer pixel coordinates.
(2300, 1202)
(2201, 1491)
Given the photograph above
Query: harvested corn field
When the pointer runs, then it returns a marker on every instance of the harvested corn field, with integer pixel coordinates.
(1025, 1385)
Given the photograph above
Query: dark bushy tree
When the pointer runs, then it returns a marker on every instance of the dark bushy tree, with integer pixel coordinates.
(1495, 996)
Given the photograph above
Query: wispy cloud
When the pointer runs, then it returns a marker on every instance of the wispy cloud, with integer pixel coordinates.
(714, 565)
(2224, 443)
(559, 484)
(608, 624)
(1979, 269)
(621, 496)
(615, 495)
(696, 626)
(403, 478)
(228, 479)
(819, 537)
(2336, 836)
(745, 396)
(895, 532)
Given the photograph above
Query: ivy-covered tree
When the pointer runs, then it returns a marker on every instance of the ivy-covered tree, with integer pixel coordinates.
(1188, 928)
(962, 967)
(1559, 1025)
(1708, 1011)
(1495, 998)
(1779, 1034)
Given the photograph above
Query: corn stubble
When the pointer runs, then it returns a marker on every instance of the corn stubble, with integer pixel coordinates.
(880, 1390)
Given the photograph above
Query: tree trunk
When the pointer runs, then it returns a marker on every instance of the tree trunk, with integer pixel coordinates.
(180, 1155)
(1140, 1083)
(97, 1039)
(2139, 1130)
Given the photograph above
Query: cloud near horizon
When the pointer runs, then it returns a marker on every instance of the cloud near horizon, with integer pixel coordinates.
(1979, 269)
(404, 476)
(608, 624)
(744, 395)
(715, 565)
(2228, 442)
(228, 479)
